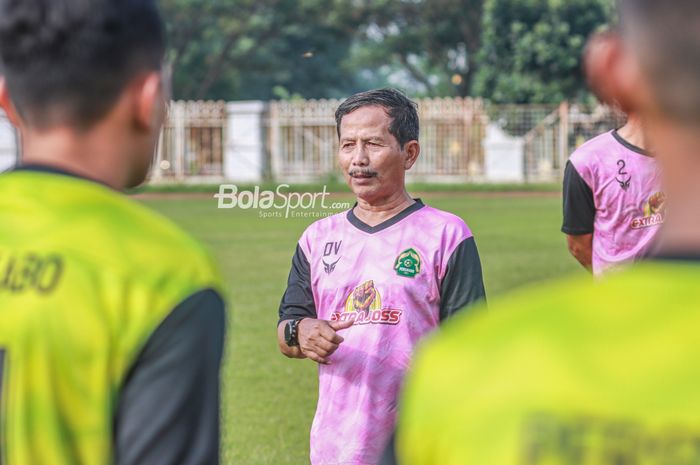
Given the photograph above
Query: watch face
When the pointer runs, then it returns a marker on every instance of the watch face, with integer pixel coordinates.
(288, 332)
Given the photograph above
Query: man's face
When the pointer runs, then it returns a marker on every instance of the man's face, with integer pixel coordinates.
(373, 162)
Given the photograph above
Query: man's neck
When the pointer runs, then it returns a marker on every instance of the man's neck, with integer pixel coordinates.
(679, 153)
(83, 155)
(377, 212)
(633, 133)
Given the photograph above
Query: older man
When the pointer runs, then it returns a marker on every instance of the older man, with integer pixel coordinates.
(580, 372)
(392, 267)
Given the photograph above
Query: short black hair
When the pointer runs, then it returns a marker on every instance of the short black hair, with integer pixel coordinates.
(402, 111)
(666, 37)
(67, 61)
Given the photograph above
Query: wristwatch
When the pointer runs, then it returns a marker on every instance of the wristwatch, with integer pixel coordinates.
(291, 332)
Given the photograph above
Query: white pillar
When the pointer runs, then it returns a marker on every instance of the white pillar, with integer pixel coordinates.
(8, 144)
(244, 151)
(504, 156)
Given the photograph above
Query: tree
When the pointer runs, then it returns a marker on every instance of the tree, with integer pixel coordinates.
(531, 49)
(429, 45)
(228, 49)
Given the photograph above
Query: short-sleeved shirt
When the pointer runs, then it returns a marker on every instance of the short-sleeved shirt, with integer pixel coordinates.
(612, 189)
(397, 281)
(574, 372)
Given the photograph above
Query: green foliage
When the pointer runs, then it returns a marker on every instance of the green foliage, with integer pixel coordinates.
(258, 49)
(426, 46)
(512, 51)
(531, 49)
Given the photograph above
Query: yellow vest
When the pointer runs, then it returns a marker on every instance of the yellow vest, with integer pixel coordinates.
(577, 373)
(86, 276)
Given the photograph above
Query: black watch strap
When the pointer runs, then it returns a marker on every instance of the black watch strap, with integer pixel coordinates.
(291, 332)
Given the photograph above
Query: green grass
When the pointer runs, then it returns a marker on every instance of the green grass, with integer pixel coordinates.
(268, 400)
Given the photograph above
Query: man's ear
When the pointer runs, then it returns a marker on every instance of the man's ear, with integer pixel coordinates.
(614, 73)
(149, 102)
(7, 105)
(412, 150)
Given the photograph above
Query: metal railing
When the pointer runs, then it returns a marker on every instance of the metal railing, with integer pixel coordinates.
(191, 144)
(301, 144)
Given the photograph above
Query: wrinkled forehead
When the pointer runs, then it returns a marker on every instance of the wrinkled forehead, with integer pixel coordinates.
(366, 122)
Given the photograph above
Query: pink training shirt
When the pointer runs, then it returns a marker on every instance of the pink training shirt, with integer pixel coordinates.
(397, 281)
(612, 189)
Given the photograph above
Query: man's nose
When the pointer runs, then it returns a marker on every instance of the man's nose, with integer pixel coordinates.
(360, 157)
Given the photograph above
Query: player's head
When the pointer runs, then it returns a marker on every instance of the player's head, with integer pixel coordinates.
(650, 65)
(650, 62)
(378, 132)
(69, 63)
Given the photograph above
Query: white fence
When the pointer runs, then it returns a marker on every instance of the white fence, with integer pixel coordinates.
(8, 143)
(303, 140)
(462, 140)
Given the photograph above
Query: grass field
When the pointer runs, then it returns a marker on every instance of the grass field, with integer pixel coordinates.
(268, 400)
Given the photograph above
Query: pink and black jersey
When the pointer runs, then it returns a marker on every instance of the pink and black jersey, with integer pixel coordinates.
(397, 281)
(612, 189)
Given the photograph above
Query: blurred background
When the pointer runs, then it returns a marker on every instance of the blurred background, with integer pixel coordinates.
(256, 82)
(502, 101)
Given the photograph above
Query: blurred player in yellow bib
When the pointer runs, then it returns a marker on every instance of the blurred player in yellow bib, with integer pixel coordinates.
(111, 318)
(578, 372)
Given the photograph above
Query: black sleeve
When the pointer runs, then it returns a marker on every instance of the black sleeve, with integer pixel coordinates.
(463, 284)
(168, 408)
(389, 455)
(579, 206)
(298, 299)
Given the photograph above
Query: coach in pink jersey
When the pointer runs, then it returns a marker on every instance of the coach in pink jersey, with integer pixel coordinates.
(382, 274)
(613, 202)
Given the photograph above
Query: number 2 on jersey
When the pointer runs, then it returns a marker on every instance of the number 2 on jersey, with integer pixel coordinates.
(622, 164)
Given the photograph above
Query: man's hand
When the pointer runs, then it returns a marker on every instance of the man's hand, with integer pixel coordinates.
(581, 247)
(318, 339)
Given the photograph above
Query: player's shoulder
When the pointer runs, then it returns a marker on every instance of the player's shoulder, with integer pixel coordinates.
(330, 221)
(447, 223)
(566, 313)
(125, 233)
(593, 150)
(321, 229)
(150, 226)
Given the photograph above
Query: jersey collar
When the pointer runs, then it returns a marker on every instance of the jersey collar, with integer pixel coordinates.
(362, 226)
(39, 168)
(629, 145)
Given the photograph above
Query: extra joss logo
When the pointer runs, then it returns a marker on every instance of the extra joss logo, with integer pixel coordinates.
(364, 306)
(654, 212)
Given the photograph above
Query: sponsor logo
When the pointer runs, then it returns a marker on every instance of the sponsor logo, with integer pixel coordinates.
(407, 264)
(364, 306)
(330, 251)
(329, 267)
(654, 212)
